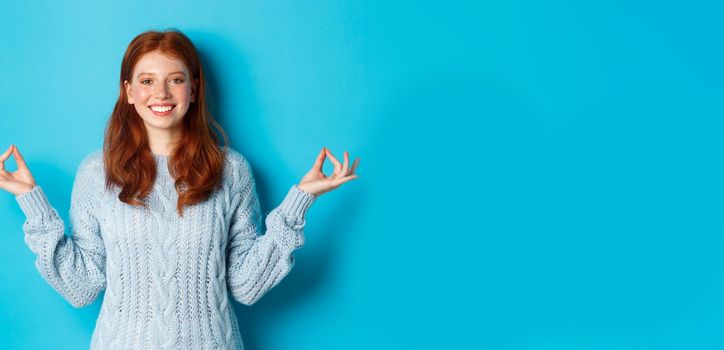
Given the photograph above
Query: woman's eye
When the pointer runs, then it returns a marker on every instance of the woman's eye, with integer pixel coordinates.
(175, 80)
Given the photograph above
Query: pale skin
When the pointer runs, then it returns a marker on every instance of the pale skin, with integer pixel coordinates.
(159, 79)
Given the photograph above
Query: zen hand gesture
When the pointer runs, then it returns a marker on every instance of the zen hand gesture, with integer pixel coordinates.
(316, 183)
(21, 180)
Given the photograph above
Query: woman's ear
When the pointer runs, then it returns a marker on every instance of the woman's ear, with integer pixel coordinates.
(129, 96)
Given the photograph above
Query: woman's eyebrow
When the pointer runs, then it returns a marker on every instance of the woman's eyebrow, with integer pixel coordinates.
(140, 74)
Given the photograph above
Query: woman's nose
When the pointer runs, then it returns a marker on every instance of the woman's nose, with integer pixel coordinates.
(162, 90)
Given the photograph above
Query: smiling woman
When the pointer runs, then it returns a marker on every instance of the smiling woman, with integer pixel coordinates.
(161, 70)
(163, 218)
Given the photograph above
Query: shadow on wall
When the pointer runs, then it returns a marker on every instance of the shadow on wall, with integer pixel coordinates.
(452, 155)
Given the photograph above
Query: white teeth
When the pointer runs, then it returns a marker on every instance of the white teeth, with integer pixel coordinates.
(161, 109)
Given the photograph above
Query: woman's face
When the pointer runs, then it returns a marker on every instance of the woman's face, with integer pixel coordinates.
(158, 83)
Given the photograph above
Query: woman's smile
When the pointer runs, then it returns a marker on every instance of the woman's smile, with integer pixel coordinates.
(161, 110)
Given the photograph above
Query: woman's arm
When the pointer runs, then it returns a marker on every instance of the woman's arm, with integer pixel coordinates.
(75, 265)
(256, 263)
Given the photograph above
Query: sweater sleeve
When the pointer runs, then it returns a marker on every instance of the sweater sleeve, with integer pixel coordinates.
(256, 263)
(74, 266)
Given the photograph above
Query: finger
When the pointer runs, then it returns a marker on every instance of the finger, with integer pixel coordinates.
(19, 159)
(334, 160)
(320, 159)
(345, 166)
(354, 165)
(4, 157)
(342, 180)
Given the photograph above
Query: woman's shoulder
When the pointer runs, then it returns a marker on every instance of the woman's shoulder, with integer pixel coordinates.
(92, 164)
(234, 158)
(236, 166)
(90, 174)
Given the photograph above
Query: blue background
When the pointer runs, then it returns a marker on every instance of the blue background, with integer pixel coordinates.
(533, 175)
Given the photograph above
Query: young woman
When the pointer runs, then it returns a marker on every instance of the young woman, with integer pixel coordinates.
(163, 218)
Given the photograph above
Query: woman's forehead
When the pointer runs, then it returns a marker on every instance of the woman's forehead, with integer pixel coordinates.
(157, 63)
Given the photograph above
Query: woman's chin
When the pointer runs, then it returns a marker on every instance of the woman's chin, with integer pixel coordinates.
(163, 125)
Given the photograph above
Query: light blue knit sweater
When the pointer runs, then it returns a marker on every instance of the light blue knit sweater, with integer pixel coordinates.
(166, 278)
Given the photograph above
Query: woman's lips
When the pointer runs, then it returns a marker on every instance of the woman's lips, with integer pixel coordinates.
(162, 114)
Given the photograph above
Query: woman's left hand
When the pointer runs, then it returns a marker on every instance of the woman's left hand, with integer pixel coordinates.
(316, 183)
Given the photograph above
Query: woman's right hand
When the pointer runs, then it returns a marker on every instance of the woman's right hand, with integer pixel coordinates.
(21, 180)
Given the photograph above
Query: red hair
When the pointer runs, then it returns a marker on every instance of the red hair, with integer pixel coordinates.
(196, 162)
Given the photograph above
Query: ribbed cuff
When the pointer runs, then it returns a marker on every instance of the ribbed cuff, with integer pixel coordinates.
(296, 203)
(34, 202)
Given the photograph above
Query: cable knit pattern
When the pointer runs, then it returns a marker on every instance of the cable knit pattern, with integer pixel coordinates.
(167, 279)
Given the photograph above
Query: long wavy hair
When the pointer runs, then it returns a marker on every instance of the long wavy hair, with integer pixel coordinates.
(196, 161)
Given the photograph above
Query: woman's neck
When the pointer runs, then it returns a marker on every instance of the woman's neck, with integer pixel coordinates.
(161, 142)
